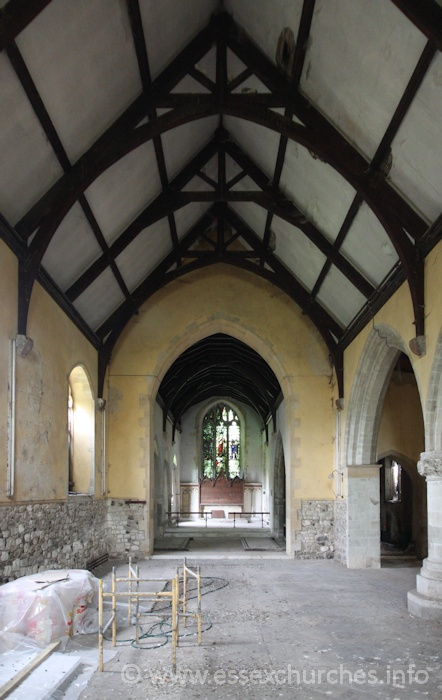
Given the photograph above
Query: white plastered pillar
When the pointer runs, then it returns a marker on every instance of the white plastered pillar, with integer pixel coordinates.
(147, 402)
(363, 514)
(293, 484)
(426, 600)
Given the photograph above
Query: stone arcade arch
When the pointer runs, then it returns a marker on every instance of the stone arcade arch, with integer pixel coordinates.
(376, 365)
(237, 331)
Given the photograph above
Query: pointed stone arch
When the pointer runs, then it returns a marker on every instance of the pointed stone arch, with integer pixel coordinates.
(372, 377)
(376, 365)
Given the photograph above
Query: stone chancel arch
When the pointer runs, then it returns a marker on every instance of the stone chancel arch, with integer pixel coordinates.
(266, 322)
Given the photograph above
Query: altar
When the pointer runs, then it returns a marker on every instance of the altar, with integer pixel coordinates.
(220, 497)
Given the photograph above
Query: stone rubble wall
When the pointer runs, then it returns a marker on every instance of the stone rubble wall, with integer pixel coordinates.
(69, 534)
(126, 527)
(315, 539)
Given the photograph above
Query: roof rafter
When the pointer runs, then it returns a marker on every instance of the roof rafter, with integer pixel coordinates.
(426, 15)
(298, 64)
(15, 16)
(146, 80)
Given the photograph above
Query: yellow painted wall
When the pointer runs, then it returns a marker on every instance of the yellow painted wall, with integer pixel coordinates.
(227, 300)
(42, 389)
(401, 429)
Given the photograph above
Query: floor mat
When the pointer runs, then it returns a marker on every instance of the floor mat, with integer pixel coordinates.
(172, 543)
(260, 543)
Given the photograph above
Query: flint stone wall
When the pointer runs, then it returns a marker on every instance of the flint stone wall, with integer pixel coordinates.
(69, 534)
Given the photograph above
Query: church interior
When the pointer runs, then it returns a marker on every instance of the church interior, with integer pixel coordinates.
(220, 281)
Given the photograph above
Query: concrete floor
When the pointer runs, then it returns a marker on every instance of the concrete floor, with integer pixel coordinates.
(280, 628)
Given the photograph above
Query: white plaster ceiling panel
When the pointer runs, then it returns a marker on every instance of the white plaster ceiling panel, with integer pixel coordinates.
(232, 169)
(82, 59)
(417, 148)
(252, 214)
(73, 248)
(316, 188)
(188, 216)
(234, 65)
(251, 84)
(297, 252)
(207, 64)
(28, 166)
(198, 184)
(368, 246)
(189, 84)
(264, 20)
(123, 190)
(169, 26)
(100, 299)
(141, 256)
(359, 61)
(341, 299)
(184, 142)
(247, 135)
(246, 184)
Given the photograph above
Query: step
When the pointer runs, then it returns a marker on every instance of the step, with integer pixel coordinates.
(228, 533)
(43, 681)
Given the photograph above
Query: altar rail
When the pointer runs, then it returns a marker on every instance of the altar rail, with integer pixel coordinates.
(174, 517)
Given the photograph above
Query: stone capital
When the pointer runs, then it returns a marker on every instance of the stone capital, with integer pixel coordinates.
(430, 465)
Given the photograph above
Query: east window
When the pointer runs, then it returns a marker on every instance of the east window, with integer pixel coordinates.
(221, 442)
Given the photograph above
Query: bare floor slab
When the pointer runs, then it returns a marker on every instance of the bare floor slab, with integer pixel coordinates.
(279, 628)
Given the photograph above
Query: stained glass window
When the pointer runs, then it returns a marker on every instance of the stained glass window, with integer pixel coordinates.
(221, 442)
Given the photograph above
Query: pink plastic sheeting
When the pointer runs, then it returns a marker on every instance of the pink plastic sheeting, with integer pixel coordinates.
(47, 606)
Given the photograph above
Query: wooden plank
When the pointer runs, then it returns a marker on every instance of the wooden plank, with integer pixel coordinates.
(26, 670)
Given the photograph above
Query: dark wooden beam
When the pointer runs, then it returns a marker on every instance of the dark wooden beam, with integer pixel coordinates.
(156, 210)
(282, 278)
(329, 137)
(15, 16)
(42, 115)
(382, 150)
(130, 118)
(350, 164)
(426, 15)
(404, 104)
(350, 217)
(146, 81)
(341, 155)
(154, 282)
(305, 23)
(278, 276)
(11, 238)
(53, 290)
(280, 206)
(34, 98)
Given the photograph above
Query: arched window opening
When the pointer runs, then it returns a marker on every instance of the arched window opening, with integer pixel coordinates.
(221, 442)
(81, 433)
